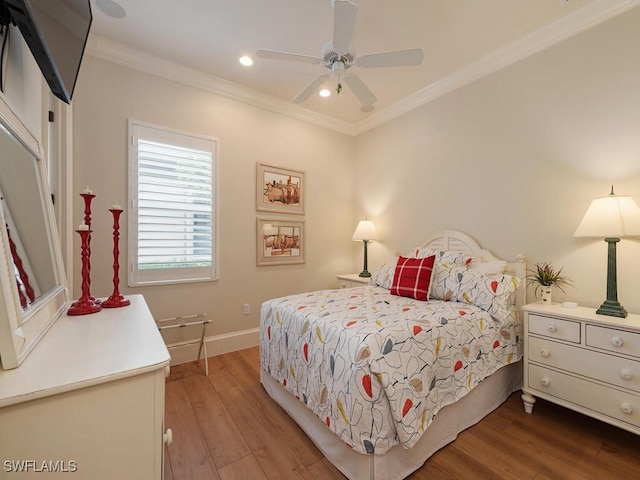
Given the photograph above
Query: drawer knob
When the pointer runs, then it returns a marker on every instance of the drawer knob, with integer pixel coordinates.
(626, 407)
(617, 341)
(168, 437)
(544, 353)
(551, 327)
(626, 374)
(545, 381)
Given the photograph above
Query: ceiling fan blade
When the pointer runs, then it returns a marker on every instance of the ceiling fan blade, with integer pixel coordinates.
(360, 90)
(311, 88)
(401, 58)
(344, 21)
(294, 57)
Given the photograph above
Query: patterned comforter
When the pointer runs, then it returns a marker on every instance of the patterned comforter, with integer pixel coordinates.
(375, 367)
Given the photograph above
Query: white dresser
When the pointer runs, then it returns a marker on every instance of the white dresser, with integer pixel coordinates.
(584, 361)
(89, 399)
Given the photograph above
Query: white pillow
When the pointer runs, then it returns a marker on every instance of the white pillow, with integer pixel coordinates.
(445, 260)
(489, 268)
(494, 294)
(383, 276)
(444, 257)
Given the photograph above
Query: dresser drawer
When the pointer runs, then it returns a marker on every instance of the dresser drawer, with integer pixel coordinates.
(610, 402)
(600, 366)
(613, 340)
(554, 328)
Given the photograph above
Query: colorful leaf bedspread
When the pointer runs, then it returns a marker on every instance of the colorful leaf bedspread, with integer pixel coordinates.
(375, 367)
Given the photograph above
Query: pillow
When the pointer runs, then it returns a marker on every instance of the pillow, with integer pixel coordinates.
(494, 294)
(494, 267)
(383, 276)
(412, 277)
(445, 260)
(445, 257)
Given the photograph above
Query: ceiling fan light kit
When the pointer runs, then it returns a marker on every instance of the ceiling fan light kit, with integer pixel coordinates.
(338, 56)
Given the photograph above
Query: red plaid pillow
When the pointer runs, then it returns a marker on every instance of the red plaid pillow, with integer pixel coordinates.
(412, 277)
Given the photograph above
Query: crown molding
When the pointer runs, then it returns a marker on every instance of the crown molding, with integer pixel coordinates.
(120, 54)
(571, 24)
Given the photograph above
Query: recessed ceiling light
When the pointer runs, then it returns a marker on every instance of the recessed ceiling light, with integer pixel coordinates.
(246, 61)
(111, 8)
(325, 92)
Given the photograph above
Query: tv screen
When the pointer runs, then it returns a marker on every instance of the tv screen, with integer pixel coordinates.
(56, 32)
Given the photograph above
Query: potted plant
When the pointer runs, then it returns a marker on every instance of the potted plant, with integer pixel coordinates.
(544, 276)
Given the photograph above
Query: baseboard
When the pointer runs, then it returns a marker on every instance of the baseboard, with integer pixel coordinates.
(216, 345)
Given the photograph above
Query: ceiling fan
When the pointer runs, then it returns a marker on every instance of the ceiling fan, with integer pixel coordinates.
(338, 56)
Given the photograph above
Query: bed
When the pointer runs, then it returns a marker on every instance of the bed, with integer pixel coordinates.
(379, 378)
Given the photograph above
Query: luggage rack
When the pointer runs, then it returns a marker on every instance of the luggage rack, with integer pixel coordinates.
(188, 321)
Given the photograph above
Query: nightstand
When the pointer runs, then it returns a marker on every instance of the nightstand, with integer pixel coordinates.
(349, 280)
(583, 361)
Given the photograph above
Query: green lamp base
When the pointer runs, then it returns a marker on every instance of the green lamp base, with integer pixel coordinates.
(612, 308)
(365, 273)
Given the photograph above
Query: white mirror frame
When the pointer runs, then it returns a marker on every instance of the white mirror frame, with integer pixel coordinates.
(21, 330)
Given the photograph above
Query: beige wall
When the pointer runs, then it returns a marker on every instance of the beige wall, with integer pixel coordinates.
(515, 158)
(107, 95)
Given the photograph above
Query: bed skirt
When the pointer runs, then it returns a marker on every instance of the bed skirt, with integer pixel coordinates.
(399, 462)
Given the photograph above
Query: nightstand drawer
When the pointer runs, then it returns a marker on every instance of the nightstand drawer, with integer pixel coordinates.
(613, 340)
(600, 366)
(554, 328)
(608, 401)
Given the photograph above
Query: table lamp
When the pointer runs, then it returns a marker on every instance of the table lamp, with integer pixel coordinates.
(366, 232)
(612, 218)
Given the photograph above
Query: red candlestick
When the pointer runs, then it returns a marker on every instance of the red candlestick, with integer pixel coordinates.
(84, 304)
(24, 277)
(87, 196)
(116, 300)
(23, 300)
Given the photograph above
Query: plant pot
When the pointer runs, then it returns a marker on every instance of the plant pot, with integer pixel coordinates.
(545, 294)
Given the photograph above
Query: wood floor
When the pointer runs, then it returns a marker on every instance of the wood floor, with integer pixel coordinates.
(226, 427)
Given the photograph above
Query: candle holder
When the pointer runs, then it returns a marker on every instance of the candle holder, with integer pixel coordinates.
(88, 196)
(84, 304)
(22, 274)
(116, 300)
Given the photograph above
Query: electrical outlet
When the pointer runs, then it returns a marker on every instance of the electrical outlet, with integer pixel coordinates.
(246, 309)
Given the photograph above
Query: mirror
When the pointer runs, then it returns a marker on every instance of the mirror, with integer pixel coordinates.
(34, 292)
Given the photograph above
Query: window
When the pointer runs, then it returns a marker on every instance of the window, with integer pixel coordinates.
(172, 192)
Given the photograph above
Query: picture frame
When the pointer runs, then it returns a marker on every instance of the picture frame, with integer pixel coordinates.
(279, 242)
(279, 190)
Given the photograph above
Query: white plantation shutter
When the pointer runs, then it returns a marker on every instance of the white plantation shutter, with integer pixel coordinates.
(173, 190)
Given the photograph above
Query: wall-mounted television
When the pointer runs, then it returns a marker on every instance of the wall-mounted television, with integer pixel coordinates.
(56, 32)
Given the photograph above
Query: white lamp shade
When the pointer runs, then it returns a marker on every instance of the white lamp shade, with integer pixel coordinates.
(365, 231)
(613, 216)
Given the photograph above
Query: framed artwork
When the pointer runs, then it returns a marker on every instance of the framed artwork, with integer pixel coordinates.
(279, 190)
(279, 242)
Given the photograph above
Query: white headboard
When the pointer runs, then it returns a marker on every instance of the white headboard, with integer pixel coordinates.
(455, 240)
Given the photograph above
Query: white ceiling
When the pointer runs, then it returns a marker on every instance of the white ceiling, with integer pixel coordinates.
(210, 35)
